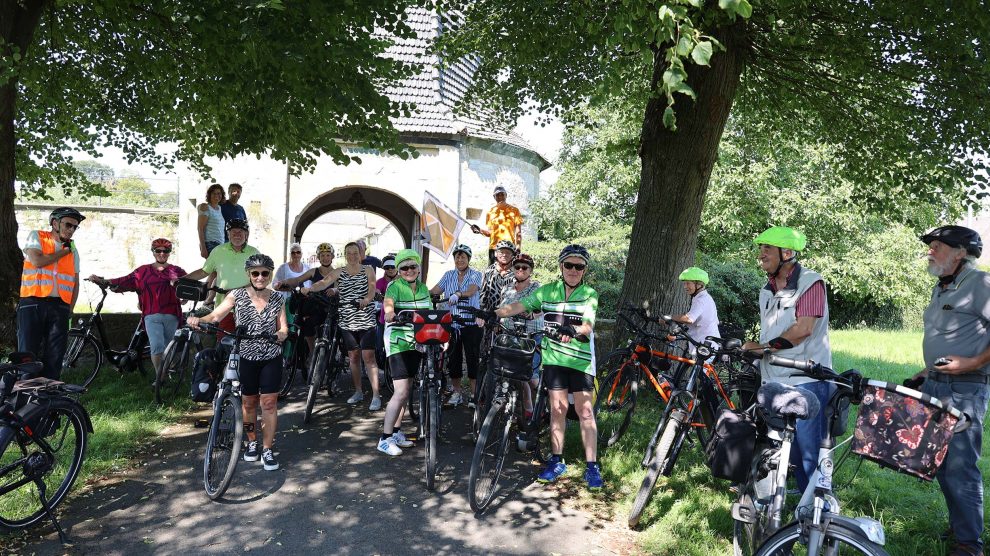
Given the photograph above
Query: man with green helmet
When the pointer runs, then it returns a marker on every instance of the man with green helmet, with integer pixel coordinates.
(794, 324)
(702, 317)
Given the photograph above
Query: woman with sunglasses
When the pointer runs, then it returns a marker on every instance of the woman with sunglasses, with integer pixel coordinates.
(356, 282)
(312, 316)
(523, 286)
(294, 268)
(156, 297)
(569, 306)
(260, 310)
(404, 293)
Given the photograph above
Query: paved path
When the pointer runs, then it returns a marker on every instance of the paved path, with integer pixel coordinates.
(334, 494)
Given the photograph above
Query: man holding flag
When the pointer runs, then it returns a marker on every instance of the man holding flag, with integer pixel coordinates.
(503, 222)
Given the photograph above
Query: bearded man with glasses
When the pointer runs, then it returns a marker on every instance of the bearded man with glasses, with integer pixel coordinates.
(154, 284)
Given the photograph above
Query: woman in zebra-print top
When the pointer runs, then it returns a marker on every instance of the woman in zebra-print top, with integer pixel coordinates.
(356, 283)
(260, 311)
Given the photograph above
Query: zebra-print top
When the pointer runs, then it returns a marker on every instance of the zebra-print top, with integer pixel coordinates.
(265, 322)
(351, 287)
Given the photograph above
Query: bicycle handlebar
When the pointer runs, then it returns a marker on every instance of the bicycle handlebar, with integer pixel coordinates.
(213, 328)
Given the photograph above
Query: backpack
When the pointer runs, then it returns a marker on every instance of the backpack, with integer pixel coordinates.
(206, 374)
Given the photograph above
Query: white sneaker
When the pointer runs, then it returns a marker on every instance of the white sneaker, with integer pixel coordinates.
(400, 440)
(388, 446)
(376, 403)
(357, 397)
(456, 399)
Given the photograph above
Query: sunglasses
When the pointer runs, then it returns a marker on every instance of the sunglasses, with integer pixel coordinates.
(575, 266)
(70, 225)
(162, 251)
(295, 252)
(522, 267)
(261, 273)
(408, 268)
(388, 268)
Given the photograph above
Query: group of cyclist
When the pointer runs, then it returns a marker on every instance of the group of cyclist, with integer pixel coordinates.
(793, 311)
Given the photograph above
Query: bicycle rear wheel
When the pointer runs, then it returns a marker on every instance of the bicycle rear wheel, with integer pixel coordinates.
(176, 362)
(839, 539)
(616, 397)
(539, 427)
(65, 429)
(486, 389)
(489, 454)
(223, 445)
(432, 420)
(671, 430)
(82, 360)
(316, 376)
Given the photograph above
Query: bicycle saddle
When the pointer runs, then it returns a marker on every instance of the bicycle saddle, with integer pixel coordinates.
(785, 402)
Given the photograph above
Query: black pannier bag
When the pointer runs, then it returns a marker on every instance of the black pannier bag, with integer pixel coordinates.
(729, 452)
(205, 376)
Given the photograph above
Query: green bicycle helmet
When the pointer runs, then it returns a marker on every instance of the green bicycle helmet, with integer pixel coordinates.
(695, 274)
(407, 254)
(783, 237)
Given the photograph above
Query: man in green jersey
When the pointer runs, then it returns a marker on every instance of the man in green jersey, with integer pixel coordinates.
(569, 306)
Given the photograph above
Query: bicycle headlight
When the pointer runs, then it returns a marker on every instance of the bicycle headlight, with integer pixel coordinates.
(704, 352)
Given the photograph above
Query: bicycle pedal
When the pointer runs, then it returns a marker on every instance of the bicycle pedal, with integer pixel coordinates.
(744, 511)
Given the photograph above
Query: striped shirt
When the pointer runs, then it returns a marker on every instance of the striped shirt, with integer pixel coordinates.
(451, 282)
(493, 282)
(811, 303)
(264, 322)
(353, 287)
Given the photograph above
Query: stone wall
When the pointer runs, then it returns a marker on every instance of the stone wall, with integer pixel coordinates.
(111, 243)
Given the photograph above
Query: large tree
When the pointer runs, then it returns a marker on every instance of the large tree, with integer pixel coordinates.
(212, 79)
(898, 88)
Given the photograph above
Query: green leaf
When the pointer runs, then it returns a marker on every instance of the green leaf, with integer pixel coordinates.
(702, 53)
(669, 120)
(744, 9)
(684, 46)
(683, 88)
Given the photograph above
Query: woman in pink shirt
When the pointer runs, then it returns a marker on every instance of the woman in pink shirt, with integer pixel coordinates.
(159, 305)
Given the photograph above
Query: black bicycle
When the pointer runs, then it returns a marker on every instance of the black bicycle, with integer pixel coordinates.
(223, 443)
(88, 346)
(295, 351)
(44, 433)
(327, 363)
(180, 354)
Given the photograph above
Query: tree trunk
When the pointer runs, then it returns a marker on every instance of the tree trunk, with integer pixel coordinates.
(18, 21)
(677, 166)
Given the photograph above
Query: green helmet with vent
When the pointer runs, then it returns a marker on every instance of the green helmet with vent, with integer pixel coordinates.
(695, 274)
(408, 255)
(783, 237)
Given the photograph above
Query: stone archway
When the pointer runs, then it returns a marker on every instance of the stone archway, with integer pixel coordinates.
(382, 202)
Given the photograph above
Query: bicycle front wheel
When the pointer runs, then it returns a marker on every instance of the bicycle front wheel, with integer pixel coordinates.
(82, 360)
(25, 462)
(747, 536)
(223, 445)
(432, 421)
(176, 362)
(671, 430)
(838, 539)
(316, 374)
(486, 389)
(489, 455)
(616, 397)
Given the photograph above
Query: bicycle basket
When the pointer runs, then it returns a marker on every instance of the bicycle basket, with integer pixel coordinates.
(191, 290)
(512, 357)
(903, 429)
(432, 327)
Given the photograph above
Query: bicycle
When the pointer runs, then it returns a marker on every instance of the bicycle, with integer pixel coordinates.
(223, 443)
(180, 353)
(819, 527)
(327, 363)
(88, 345)
(692, 406)
(295, 352)
(511, 365)
(44, 433)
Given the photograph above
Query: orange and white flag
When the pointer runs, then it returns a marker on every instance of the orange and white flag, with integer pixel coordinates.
(440, 225)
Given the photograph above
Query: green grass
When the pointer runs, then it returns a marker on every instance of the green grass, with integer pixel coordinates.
(124, 415)
(690, 511)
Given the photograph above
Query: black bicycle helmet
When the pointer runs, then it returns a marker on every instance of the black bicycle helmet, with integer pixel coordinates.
(63, 212)
(956, 236)
(505, 244)
(238, 223)
(259, 260)
(574, 250)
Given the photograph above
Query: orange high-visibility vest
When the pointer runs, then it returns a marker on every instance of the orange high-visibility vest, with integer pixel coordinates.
(39, 282)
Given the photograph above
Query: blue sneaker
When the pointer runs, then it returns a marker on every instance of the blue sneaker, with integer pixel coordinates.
(593, 476)
(555, 468)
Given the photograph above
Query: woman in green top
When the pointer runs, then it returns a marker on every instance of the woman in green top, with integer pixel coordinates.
(569, 307)
(403, 293)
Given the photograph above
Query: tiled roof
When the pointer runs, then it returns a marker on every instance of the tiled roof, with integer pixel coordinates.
(436, 91)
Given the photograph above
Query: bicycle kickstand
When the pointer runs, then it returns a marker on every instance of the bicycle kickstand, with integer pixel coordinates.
(49, 511)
